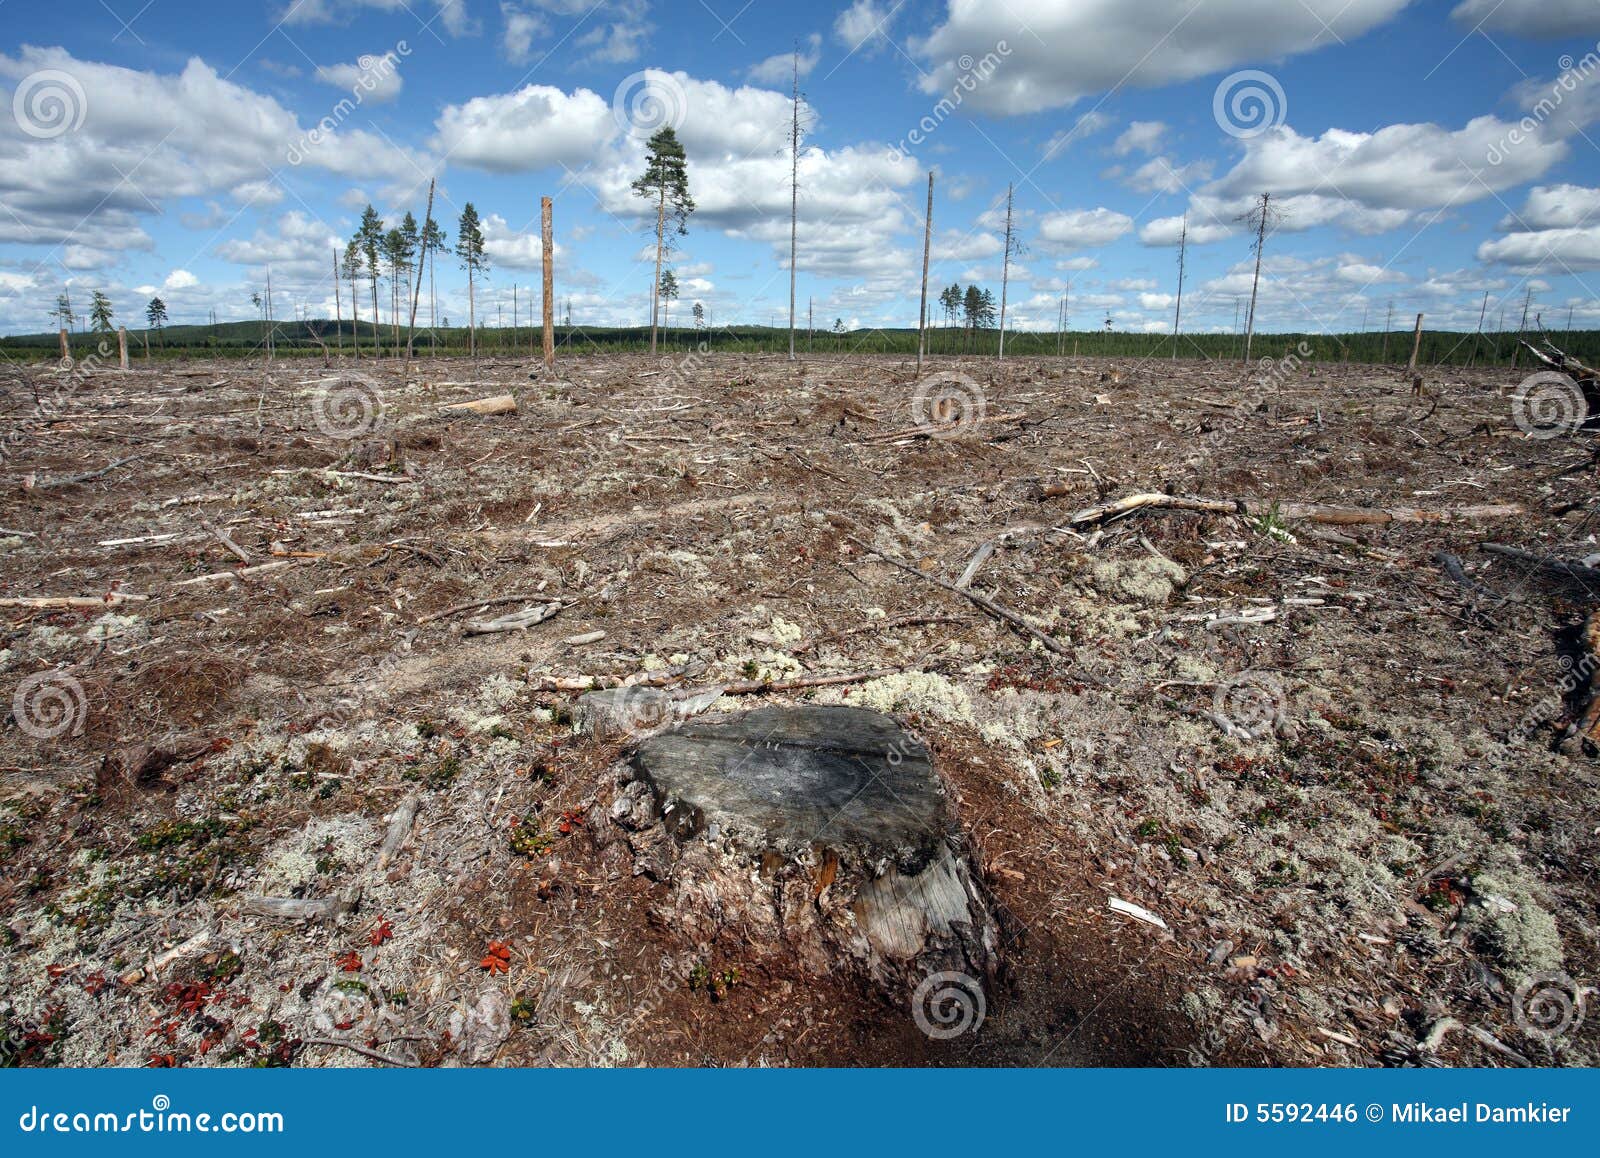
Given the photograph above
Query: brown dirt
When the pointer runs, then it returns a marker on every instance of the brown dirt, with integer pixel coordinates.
(1405, 845)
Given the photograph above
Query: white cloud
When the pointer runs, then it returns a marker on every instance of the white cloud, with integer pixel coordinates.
(375, 78)
(1542, 18)
(1087, 125)
(1558, 230)
(864, 25)
(1161, 175)
(1081, 228)
(450, 15)
(180, 279)
(1139, 137)
(147, 138)
(1169, 230)
(779, 68)
(1555, 207)
(301, 244)
(520, 131)
(520, 30)
(1061, 50)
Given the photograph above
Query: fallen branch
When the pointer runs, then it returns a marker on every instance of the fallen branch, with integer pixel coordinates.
(84, 602)
(942, 430)
(475, 605)
(362, 1050)
(242, 574)
(1566, 568)
(815, 642)
(499, 404)
(1310, 512)
(90, 476)
(759, 687)
(1002, 613)
(516, 621)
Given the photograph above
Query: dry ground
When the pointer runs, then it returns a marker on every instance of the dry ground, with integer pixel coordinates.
(1402, 844)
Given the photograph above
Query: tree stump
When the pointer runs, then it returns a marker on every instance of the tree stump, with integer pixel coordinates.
(817, 833)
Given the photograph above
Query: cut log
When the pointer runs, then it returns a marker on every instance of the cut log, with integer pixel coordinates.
(499, 404)
(817, 834)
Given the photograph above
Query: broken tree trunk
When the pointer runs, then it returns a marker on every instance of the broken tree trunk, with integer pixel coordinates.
(499, 404)
(817, 834)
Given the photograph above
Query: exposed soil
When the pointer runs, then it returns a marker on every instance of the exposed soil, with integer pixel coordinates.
(1395, 840)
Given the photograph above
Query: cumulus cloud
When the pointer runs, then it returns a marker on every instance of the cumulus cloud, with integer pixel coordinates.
(1139, 137)
(1558, 230)
(520, 28)
(1550, 19)
(533, 127)
(1061, 50)
(450, 15)
(1083, 228)
(1087, 125)
(147, 138)
(779, 68)
(377, 78)
(864, 25)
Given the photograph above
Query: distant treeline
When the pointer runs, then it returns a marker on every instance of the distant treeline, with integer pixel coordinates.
(299, 339)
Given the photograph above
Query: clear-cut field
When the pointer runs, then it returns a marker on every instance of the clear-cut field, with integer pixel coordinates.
(1328, 768)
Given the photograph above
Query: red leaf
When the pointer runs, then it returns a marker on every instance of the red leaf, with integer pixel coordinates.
(350, 962)
(381, 933)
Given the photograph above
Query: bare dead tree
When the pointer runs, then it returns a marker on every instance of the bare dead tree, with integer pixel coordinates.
(1177, 313)
(794, 189)
(927, 246)
(1262, 218)
(1013, 248)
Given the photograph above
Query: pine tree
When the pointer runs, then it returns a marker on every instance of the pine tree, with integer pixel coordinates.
(369, 235)
(155, 315)
(469, 248)
(972, 310)
(668, 289)
(100, 313)
(665, 181)
(63, 311)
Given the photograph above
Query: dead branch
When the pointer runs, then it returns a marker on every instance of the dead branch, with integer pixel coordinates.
(1310, 512)
(516, 621)
(1566, 568)
(809, 645)
(76, 602)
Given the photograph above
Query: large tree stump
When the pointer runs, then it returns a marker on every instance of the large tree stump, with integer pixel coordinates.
(818, 833)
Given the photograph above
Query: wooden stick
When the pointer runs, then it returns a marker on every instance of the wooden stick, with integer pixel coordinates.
(242, 574)
(757, 687)
(81, 602)
(933, 430)
(812, 644)
(476, 605)
(362, 1050)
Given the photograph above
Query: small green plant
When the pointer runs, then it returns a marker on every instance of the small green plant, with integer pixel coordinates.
(528, 838)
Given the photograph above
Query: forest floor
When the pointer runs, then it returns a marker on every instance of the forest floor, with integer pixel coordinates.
(1329, 769)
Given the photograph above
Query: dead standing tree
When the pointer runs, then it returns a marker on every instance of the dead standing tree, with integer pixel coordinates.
(1013, 248)
(665, 180)
(1262, 218)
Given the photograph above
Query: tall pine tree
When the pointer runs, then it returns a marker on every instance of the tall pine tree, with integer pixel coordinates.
(665, 181)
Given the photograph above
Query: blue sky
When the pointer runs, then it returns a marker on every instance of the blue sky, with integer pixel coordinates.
(1424, 153)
